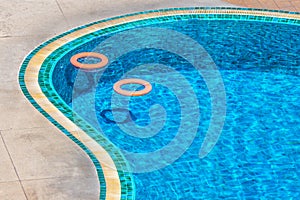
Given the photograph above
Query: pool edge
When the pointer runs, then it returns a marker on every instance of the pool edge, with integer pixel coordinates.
(29, 82)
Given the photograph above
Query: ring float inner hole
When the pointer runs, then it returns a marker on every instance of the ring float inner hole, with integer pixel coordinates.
(102, 60)
(118, 87)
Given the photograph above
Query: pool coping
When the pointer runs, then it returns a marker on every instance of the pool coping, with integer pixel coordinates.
(30, 82)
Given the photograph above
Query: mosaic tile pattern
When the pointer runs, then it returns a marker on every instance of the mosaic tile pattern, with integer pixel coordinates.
(35, 82)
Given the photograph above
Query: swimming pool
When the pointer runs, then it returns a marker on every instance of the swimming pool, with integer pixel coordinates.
(221, 120)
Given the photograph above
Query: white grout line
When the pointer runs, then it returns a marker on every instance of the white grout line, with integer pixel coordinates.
(61, 10)
(19, 180)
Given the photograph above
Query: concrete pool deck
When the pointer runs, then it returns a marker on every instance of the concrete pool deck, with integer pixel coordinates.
(289, 5)
(37, 160)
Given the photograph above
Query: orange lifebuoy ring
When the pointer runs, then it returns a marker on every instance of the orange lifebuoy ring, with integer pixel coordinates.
(102, 63)
(119, 90)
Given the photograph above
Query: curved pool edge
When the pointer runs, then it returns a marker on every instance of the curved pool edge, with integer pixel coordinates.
(109, 179)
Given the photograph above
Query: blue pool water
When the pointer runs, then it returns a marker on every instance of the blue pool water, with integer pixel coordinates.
(258, 153)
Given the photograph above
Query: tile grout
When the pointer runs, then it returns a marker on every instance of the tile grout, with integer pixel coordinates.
(19, 180)
(21, 36)
(12, 181)
(52, 178)
(271, 4)
(276, 4)
(63, 14)
(29, 128)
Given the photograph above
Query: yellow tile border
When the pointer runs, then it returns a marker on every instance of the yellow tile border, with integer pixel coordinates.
(113, 186)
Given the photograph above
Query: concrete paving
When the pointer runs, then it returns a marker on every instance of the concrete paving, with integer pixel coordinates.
(288, 5)
(37, 160)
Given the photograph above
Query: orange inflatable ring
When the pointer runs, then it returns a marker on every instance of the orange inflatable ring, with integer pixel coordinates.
(119, 84)
(102, 63)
